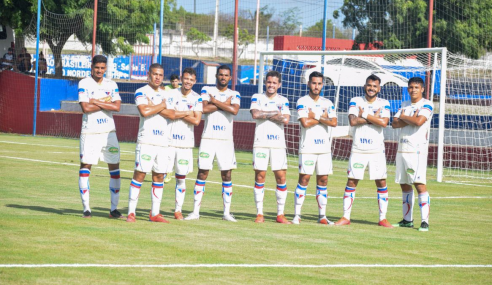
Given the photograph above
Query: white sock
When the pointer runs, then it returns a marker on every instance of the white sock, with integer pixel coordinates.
(84, 187)
(259, 195)
(133, 196)
(114, 187)
(348, 200)
(180, 191)
(300, 194)
(424, 203)
(156, 197)
(383, 202)
(408, 201)
(322, 198)
(227, 196)
(198, 195)
(281, 194)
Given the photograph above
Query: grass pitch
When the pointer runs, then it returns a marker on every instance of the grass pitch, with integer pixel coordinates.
(41, 225)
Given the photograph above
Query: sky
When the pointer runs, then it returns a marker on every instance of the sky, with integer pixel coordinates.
(310, 11)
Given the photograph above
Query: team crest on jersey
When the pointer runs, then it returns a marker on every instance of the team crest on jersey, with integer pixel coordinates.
(190, 107)
(136, 164)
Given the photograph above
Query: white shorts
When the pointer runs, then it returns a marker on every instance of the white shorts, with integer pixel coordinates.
(277, 157)
(322, 162)
(181, 159)
(99, 146)
(152, 158)
(359, 161)
(411, 168)
(222, 149)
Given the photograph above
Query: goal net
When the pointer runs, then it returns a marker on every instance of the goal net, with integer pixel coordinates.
(460, 140)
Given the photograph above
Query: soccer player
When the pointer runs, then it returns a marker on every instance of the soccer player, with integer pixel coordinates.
(220, 105)
(99, 98)
(182, 137)
(152, 152)
(413, 118)
(368, 116)
(317, 117)
(271, 112)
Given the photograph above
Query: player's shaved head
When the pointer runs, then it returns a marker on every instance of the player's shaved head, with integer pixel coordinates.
(155, 66)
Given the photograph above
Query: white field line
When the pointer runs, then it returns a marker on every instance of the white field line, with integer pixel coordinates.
(235, 185)
(215, 265)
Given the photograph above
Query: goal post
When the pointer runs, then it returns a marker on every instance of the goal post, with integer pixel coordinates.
(454, 136)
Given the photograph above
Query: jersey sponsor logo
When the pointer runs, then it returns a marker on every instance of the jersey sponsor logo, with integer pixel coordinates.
(366, 141)
(145, 157)
(261, 155)
(178, 137)
(218, 128)
(410, 171)
(158, 132)
(273, 137)
(183, 162)
(204, 155)
(113, 149)
(319, 141)
(358, 165)
(102, 121)
(309, 162)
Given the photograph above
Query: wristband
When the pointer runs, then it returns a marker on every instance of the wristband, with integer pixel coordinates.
(317, 117)
(364, 115)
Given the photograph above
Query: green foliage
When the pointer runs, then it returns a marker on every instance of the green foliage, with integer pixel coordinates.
(463, 26)
(244, 38)
(316, 30)
(196, 38)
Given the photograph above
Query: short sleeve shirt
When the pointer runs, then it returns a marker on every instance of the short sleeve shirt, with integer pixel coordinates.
(315, 139)
(182, 134)
(269, 134)
(368, 138)
(99, 121)
(219, 124)
(153, 129)
(413, 138)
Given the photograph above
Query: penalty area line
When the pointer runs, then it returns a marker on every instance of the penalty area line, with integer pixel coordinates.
(76, 265)
(220, 183)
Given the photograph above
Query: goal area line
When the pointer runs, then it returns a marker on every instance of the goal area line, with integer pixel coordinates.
(220, 265)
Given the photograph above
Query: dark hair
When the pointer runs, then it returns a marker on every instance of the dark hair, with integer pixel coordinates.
(190, 71)
(173, 77)
(155, 66)
(417, 80)
(225, 67)
(99, 59)
(273, 73)
(315, 74)
(373, 77)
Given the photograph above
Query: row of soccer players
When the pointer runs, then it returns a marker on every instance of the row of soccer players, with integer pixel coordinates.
(166, 140)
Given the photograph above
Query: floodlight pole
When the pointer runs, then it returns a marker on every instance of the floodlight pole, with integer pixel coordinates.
(94, 28)
(37, 68)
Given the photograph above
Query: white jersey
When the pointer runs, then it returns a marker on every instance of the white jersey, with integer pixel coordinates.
(414, 138)
(219, 124)
(99, 121)
(153, 129)
(315, 139)
(182, 134)
(368, 138)
(269, 134)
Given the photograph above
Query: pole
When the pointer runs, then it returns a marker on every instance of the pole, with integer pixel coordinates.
(216, 26)
(300, 31)
(267, 41)
(194, 7)
(37, 68)
(333, 31)
(429, 45)
(234, 50)
(256, 39)
(323, 44)
(160, 31)
(153, 44)
(94, 26)
(181, 53)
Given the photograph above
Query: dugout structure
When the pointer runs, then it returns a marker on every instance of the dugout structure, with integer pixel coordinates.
(460, 137)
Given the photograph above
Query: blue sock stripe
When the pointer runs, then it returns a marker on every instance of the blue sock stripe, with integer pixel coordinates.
(321, 188)
(136, 183)
(300, 187)
(226, 184)
(259, 185)
(282, 186)
(158, 184)
(116, 171)
(200, 182)
(349, 188)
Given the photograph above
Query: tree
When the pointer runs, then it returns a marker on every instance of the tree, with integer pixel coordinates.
(120, 24)
(244, 38)
(316, 30)
(196, 38)
(463, 26)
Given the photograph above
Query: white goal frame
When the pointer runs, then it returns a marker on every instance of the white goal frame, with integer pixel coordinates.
(433, 51)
